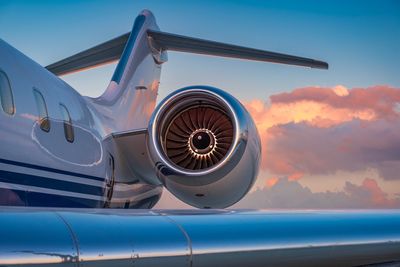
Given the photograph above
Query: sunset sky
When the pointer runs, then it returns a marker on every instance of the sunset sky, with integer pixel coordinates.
(330, 138)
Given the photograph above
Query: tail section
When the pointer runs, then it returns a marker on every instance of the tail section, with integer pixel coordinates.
(130, 97)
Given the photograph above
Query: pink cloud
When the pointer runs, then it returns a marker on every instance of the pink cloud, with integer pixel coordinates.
(317, 130)
(381, 99)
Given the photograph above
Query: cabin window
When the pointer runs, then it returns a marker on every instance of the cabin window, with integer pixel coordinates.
(68, 128)
(6, 96)
(44, 121)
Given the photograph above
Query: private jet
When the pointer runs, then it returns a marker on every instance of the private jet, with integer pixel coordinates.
(79, 175)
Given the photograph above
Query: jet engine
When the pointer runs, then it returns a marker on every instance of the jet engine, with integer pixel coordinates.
(205, 146)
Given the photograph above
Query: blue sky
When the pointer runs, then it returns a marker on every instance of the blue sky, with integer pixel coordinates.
(359, 39)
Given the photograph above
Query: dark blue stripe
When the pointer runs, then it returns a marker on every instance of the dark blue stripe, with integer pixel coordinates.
(35, 199)
(42, 168)
(119, 71)
(32, 180)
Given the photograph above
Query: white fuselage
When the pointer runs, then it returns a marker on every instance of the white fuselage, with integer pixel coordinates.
(44, 168)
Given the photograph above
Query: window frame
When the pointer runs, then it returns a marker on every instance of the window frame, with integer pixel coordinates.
(44, 121)
(7, 80)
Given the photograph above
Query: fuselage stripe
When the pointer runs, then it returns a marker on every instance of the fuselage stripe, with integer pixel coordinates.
(37, 167)
(43, 182)
(36, 189)
(51, 175)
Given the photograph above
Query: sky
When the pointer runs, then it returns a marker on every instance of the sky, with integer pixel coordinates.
(330, 138)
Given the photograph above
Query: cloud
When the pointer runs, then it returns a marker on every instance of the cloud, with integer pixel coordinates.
(352, 146)
(318, 130)
(288, 194)
(379, 99)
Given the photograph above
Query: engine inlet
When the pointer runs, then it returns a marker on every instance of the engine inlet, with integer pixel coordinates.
(199, 137)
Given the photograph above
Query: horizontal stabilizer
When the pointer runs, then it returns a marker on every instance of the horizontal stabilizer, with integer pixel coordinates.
(112, 50)
(99, 55)
(174, 42)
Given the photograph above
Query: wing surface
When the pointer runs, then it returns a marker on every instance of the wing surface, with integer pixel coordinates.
(198, 238)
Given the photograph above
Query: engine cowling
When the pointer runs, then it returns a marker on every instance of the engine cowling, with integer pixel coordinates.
(205, 146)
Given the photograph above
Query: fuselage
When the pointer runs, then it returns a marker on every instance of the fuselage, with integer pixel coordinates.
(54, 149)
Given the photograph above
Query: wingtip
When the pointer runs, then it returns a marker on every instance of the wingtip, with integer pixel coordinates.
(323, 65)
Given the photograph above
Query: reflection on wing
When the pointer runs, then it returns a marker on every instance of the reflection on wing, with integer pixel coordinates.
(199, 238)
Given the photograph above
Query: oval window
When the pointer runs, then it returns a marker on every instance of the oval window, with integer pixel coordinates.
(6, 96)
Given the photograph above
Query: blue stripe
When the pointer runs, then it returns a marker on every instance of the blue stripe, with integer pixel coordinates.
(38, 181)
(42, 168)
(46, 200)
(119, 71)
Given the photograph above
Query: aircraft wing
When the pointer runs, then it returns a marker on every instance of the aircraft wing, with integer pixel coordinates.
(198, 238)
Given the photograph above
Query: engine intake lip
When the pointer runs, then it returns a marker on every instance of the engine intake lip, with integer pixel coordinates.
(183, 101)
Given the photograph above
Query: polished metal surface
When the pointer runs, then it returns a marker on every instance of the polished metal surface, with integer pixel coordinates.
(223, 183)
(198, 238)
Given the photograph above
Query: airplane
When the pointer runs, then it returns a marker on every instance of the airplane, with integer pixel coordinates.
(79, 175)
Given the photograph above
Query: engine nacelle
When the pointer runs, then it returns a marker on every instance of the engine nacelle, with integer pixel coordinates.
(205, 146)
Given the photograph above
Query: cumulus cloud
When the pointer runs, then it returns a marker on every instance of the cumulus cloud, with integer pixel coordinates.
(318, 130)
(286, 194)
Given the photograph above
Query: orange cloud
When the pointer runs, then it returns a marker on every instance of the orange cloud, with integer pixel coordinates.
(295, 176)
(325, 107)
(271, 181)
(379, 99)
